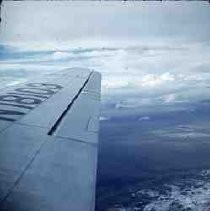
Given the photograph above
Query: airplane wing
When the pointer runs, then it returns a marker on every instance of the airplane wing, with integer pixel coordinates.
(48, 142)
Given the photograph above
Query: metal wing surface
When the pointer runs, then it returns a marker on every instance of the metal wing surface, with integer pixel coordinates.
(49, 142)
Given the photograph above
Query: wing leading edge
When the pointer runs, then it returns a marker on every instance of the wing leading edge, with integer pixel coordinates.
(48, 142)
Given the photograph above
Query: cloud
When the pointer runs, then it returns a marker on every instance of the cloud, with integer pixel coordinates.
(169, 98)
(131, 78)
(183, 131)
(103, 118)
(60, 55)
(194, 197)
(144, 118)
(152, 80)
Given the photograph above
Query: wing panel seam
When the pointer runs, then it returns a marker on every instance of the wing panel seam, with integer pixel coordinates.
(59, 120)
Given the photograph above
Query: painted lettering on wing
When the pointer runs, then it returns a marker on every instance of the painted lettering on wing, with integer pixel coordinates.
(20, 101)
